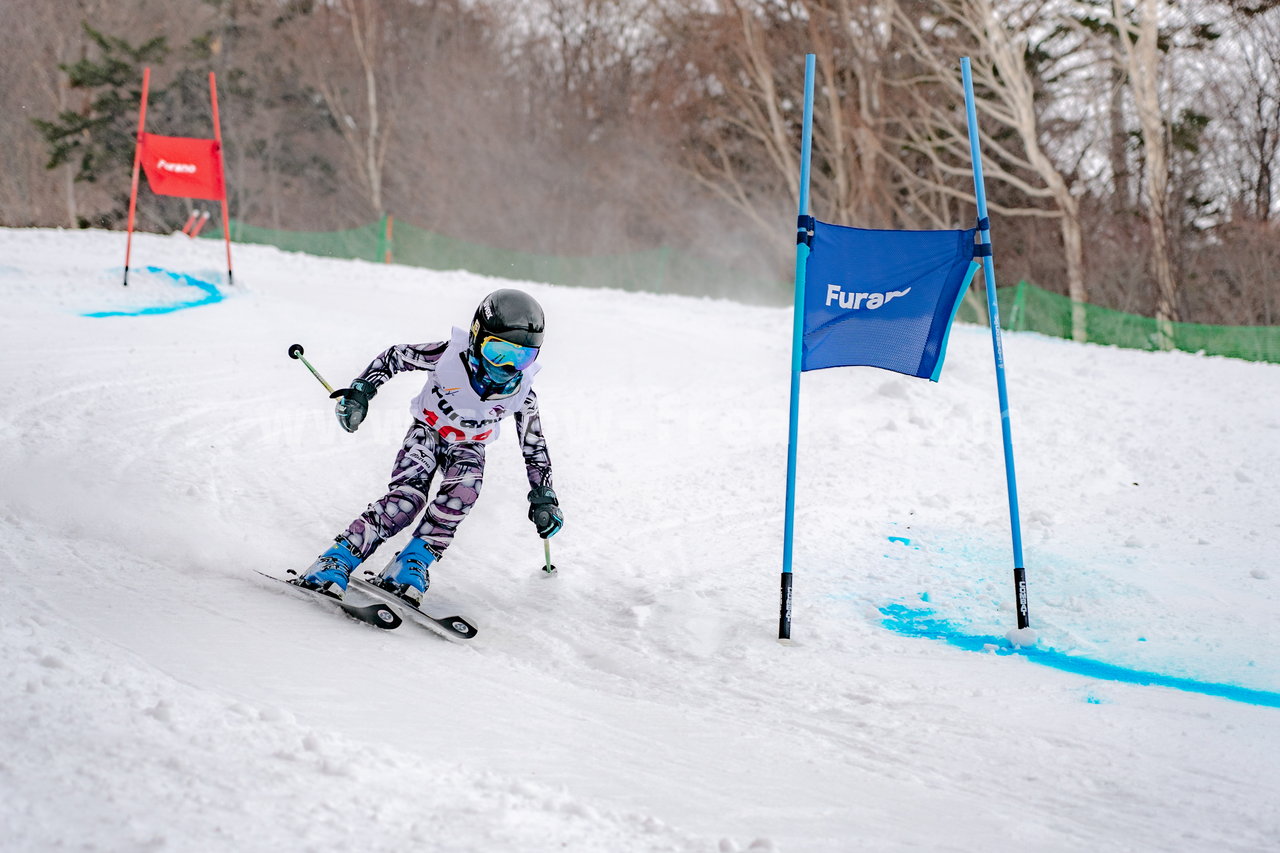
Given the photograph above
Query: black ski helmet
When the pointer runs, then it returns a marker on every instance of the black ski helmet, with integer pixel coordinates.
(512, 315)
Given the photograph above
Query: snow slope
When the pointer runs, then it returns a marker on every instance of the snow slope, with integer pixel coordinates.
(158, 694)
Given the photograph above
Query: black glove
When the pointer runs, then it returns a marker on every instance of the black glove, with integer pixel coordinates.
(544, 512)
(354, 403)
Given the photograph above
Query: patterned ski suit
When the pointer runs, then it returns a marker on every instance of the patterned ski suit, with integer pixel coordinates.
(451, 427)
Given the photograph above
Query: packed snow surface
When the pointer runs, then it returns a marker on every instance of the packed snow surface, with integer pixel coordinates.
(157, 693)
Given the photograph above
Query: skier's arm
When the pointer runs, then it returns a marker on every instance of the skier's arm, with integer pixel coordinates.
(533, 445)
(544, 508)
(353, 401)
(400, 358)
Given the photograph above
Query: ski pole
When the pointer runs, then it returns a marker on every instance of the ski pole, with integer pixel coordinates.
(546, 550)
(199, 225)
(295, 351)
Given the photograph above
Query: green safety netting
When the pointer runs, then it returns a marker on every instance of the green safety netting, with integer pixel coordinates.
(1023, 307)
(1027, 308)
(364, 243)
(657, 270)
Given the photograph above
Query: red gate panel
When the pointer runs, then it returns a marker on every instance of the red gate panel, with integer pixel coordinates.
(182, 166)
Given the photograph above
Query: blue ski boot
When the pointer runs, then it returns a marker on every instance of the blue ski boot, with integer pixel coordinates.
(331, 571)
(407, 575)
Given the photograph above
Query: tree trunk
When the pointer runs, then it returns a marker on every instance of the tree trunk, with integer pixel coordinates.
(1121, 196)
(1142, 58)
(1073, 249)
(368, 148)
(372, 164)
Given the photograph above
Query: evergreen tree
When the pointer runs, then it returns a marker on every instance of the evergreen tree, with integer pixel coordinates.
(100, 139)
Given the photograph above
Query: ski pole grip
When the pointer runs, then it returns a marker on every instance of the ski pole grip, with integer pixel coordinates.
(295, 351)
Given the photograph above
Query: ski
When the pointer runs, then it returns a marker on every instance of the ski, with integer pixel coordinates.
(377, 614)
(450, 627)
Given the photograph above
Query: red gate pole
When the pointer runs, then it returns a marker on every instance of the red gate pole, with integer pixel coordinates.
(137, 160)
(201, 221)
(217, 135)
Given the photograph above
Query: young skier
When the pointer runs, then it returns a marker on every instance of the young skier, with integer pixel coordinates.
(477, 379)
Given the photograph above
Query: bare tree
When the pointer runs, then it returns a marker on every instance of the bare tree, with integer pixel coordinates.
(853, 44)
(363, 121)
(741, 121)
(998, 33)
(1140, 41)
(1248, 143)
(741, 72)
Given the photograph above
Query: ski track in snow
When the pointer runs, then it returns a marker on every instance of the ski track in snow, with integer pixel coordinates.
(155, 693)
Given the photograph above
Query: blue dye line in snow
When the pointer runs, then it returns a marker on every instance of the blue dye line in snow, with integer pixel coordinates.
(210, 290)
(921, 622)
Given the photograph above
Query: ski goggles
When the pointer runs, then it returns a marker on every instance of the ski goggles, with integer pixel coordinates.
(501, 353)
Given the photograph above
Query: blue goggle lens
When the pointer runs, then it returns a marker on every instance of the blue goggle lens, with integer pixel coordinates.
(501, 353)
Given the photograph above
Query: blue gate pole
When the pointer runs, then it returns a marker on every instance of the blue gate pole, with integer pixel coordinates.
(797, 342)
(993, 310)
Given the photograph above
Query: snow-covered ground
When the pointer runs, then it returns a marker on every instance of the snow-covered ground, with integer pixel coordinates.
(156, 693)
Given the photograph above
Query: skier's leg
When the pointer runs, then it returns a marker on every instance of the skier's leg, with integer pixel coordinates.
(408, 575)
(407, 493)
(410, 480)
(460, 481)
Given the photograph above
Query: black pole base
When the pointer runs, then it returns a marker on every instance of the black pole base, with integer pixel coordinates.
(1020, 594)
(784, 612)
